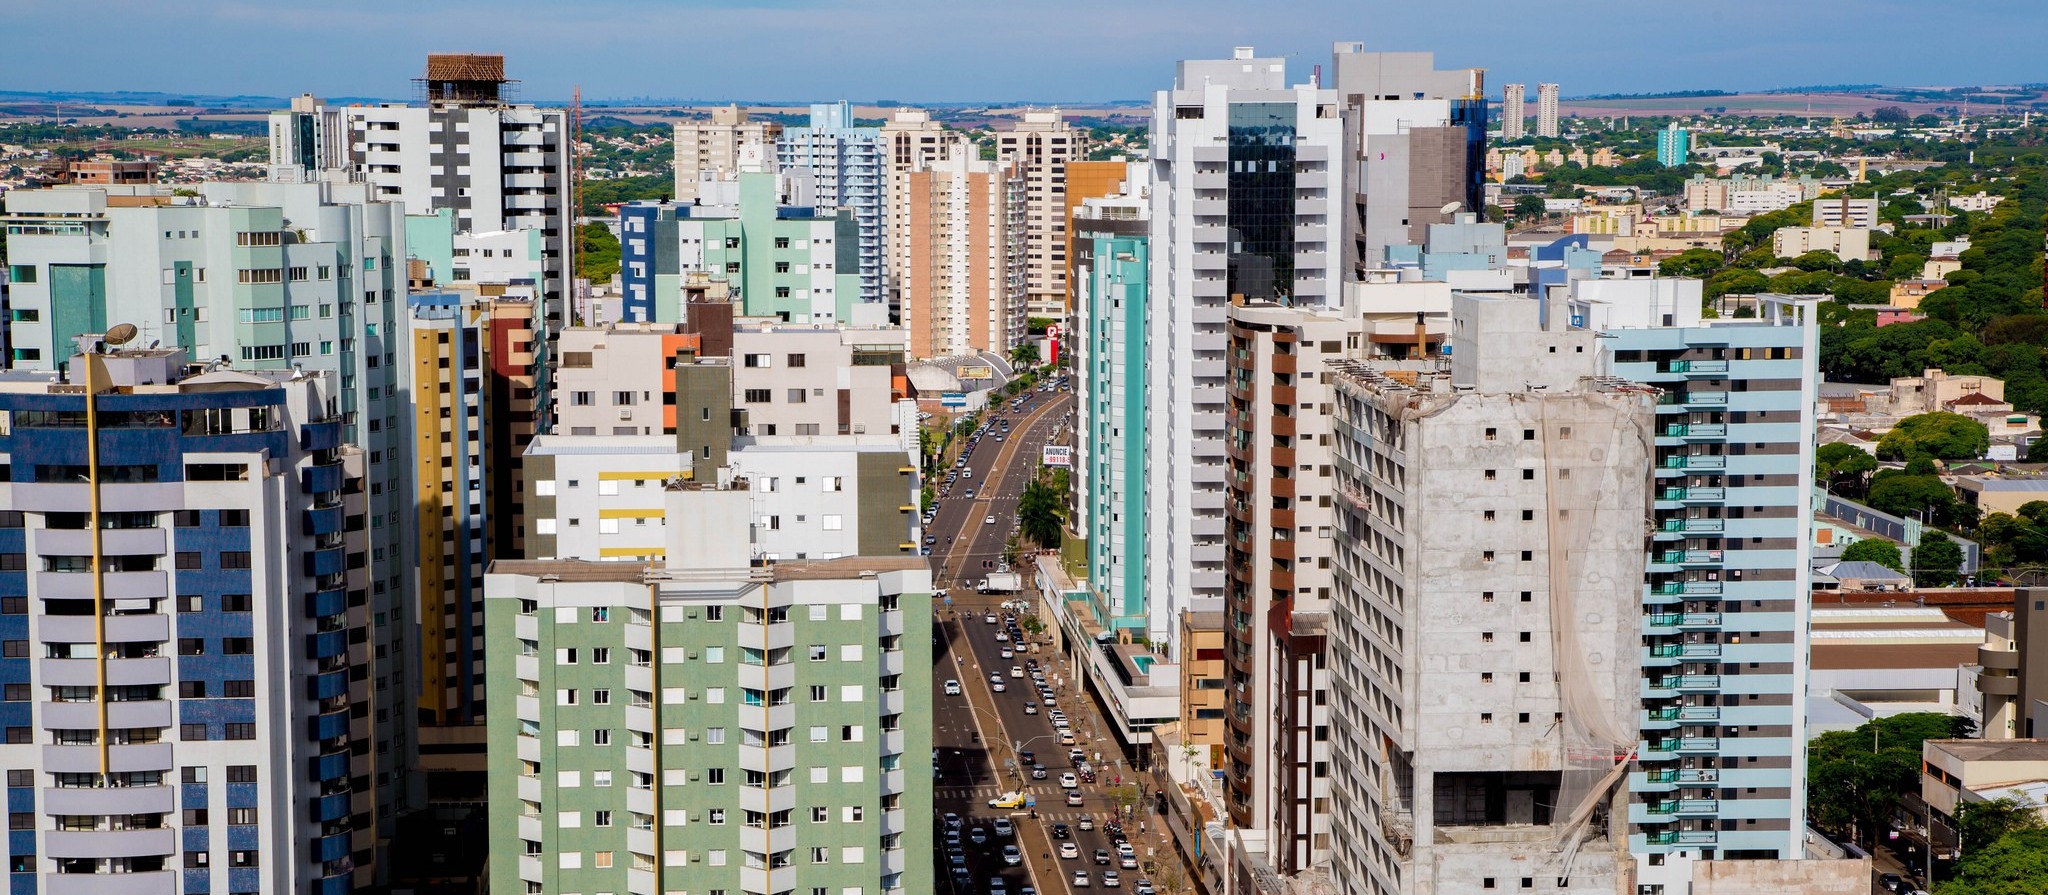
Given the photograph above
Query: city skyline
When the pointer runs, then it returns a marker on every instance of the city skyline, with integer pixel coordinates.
(231, 48)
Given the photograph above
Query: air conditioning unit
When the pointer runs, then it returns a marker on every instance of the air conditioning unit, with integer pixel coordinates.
(625, 413)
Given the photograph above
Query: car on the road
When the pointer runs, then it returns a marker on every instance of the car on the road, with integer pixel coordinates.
(931, 539)
(1038, 772)
(1085, 823)
(1027, 757)
(1069, 851)
(989, 520)
(998, 686)
(1006, 800)
(962, 877)
(1068, 781)
(955, 857)
(1004, 828)
(1056, 717)
(989, 618)
(1002, 637)
(1102, 856)
(979, 836)
(1060, 831)
(1076, 756)
(967, 472)
(1112, 880)
(968, 494)
(1016, 671)
(1074, 797)
(953, 689)
(1030, 709)
(1027, 890)
(1891, 882)
(1008, 653)
(953, 820)
(952, 838)
(1081, 880)
(996, 887)
(1127, 862)
(1012, 856)
(1143, 887)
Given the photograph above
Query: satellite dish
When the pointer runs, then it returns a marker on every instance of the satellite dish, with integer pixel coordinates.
(1452, 207)
(120, 334)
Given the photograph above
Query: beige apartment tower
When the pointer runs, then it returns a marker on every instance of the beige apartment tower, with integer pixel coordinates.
(1040, 148)
(710, 150)
(910, 141)
(1514, 115)
(961, 239)
(1546, 110)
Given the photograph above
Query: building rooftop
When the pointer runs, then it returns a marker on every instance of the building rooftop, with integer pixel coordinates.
(845, 567)
(1993, 750)
(570, 569)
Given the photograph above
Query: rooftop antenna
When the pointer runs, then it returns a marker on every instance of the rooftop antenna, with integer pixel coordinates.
(119, 334)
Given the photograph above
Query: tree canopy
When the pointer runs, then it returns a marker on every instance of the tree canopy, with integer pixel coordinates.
(1941, 435)
(1937, 561)
(1877, 550)
(1039, 511)
(2016, 863)
(1843, 467)
(1855, 777)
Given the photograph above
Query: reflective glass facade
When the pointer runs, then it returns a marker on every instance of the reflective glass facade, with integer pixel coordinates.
(1261, 213)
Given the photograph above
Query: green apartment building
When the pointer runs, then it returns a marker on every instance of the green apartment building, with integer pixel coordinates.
(799, 264)
(708, 726)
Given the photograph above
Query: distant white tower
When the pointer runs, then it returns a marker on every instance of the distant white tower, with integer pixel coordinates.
(1514, 120)
(1546, 110)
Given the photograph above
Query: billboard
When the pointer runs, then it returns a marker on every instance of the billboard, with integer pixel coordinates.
(1058, 455)
(953, 399)
(977, 373)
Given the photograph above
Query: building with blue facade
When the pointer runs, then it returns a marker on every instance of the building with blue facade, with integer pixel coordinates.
(178, 606)
(1721, 767)
(795, 263)
(833, 164)
(1111, 299)
(1674, 143)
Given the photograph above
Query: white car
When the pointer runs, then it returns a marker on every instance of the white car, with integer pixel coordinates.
(1111, 879)
(1008, 653)
(1012, 856)
(1016, 671)
(1031, 710)
(1002, 637)
(1069, 851)
(1067, 781)
(988, 520)
(1004, 828)
(989, 618)
(952, 688)
(1081, 880)
(998, 686)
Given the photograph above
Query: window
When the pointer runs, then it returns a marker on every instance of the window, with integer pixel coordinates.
(241, 773)
(241, 731)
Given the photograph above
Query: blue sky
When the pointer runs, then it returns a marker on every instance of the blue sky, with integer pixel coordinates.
(966, 50)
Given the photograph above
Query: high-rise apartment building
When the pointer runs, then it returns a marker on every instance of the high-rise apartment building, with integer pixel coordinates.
(1040, 148)
(1247, 200)
(1546, 110)
(1112, 269)
(711, 723)
(1721, 769)
(1414, 148)
(833, 164)
(259, 277)
(711, 150)
(961, 289)
(911, 139)
(500, 166)
(1277, 602)
(1484, 662)
(198, 717)
(790, 262)
(1514, 118)
(1674, 144)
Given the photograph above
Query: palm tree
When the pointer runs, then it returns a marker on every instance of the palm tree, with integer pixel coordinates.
(1024, 355)
(1039, 511)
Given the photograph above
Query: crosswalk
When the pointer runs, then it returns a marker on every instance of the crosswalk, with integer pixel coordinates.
(1041, 790)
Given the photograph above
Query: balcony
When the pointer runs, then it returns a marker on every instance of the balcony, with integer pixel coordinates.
(1696, 367)
(1695, 461)
(1694, 430)
(1690, 558)
(329, 808)
(1999, 659)
(1685, 713)
(1685, 619)
(1691, 526)
(1683, 807)
(1686, 682)
(1692, 745)
(1693, 495)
